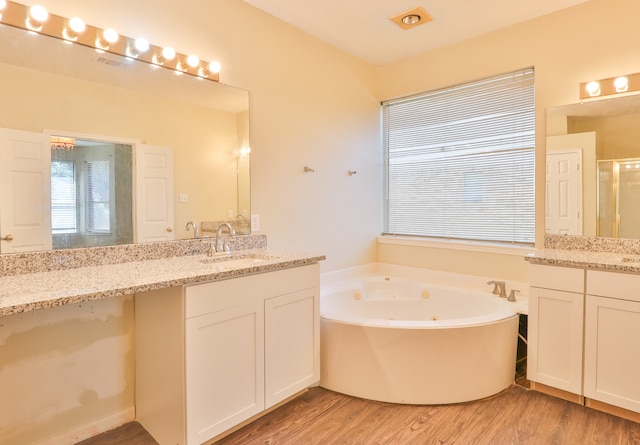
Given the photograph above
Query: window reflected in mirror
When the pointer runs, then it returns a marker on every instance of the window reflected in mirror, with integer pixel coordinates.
(91, 194)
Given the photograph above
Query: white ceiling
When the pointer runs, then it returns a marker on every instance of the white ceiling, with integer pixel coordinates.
(363, 27)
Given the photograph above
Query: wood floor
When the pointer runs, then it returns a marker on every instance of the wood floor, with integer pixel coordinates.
(515, 416)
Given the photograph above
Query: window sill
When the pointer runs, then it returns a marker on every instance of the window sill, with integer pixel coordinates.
(518, 250)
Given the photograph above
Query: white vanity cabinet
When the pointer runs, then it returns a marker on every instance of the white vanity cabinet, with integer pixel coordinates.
(213, 355)
(555, 329)
(612, 340)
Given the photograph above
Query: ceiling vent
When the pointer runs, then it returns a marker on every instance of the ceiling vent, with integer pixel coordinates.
(413, 17)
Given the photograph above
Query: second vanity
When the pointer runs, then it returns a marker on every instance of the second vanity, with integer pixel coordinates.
(217, 340)
(584, 328)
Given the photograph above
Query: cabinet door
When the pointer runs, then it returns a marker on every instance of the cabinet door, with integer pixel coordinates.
(612, 352)
(292, 344)
(224, 370)
(555, 338)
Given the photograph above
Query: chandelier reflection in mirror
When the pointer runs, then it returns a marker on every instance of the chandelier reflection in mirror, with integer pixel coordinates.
(74, 30)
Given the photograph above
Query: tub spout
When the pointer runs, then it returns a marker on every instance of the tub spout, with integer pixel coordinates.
(499, 288)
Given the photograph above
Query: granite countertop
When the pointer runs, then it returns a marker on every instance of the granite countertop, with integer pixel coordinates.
(612, 262)
(41, 290)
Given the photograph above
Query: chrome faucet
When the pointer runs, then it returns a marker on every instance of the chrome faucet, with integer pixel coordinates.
(191, 224)
(223, 245)
(499, 288)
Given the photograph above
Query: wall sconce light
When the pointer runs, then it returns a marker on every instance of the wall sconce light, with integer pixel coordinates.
(612, 85)
(75, 30)
(75, 27)
(36, 18)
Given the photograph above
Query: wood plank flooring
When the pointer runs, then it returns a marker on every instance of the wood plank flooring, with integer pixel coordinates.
(515, 416)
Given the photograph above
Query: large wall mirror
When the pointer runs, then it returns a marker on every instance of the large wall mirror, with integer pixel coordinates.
(140, 117)
(593, 168)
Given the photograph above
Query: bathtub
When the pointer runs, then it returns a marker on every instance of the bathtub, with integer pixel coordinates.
(391, 336)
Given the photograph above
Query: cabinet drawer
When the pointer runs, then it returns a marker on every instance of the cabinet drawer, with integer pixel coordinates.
(559, 278)
(613, 284)
(219, 295)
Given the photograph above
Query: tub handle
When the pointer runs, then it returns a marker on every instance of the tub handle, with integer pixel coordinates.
(512, 295)
(498, 288)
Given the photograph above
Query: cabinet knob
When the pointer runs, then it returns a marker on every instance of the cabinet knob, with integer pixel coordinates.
(169, 229)
(8, 237)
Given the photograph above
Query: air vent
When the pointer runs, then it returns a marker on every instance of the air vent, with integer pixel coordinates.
(109, 62)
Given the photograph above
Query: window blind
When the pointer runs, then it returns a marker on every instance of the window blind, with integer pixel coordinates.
(98, 201)
(63, 197)
(460, 161)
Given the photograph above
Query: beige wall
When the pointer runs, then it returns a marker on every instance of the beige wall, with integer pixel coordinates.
(594, 40)
(314, 105)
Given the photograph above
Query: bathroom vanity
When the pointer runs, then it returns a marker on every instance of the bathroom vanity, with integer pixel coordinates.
(584, 327)
(212, 341)
(210, 356)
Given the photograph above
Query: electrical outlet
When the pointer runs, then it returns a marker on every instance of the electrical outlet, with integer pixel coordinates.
(184, 197)
(255, 223)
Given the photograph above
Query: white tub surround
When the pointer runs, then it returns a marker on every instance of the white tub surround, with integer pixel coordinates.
(390, 333)
(584, 325)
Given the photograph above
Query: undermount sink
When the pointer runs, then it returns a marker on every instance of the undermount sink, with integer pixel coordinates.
(237, 261)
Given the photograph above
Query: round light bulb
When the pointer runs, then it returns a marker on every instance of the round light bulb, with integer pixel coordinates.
(193, 61)
(168, 53)
(3, 4)
(110, 35)
(38, 13)
(621, 84)
(142, 44)
(593, 88)
(214, 67)
(76, 24)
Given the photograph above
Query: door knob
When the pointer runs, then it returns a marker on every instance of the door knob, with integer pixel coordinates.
(8, 237)
(169, 229)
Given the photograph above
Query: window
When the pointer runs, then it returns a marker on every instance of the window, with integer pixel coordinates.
(63, 197)
(98, 202)
(460, 161)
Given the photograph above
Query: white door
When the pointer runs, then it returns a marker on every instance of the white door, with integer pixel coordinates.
(154, 193)
(25, 191)
(563, 214)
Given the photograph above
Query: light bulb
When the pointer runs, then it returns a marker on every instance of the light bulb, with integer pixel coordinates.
(76, 24)
(3, 4)
(38, 13)
(193, 61)
(141, 44)
(168, 53)
(593, 88)
(110, 35)
(621, 84)
(214, 67)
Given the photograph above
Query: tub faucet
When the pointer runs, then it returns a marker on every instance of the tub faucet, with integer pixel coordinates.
(223, 246)
(499, 288)
(194, 226)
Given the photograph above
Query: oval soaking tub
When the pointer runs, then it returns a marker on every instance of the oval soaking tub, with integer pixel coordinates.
(401, 340)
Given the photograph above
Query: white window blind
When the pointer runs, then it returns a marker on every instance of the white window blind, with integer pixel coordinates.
(63, 197)
(460, 162)
(98, 201)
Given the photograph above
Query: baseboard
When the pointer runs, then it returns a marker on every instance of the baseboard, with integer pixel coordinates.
(92, 429)
(613, 410)
(559, 393)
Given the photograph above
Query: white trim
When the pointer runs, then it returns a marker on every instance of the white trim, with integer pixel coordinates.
(518, 250)
(92, 429)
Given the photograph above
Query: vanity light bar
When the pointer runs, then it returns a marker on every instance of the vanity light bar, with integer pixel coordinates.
(612, 85)
(70, 30)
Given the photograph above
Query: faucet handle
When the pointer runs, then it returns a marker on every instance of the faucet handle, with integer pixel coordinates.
(498, 288)
(512, 295)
